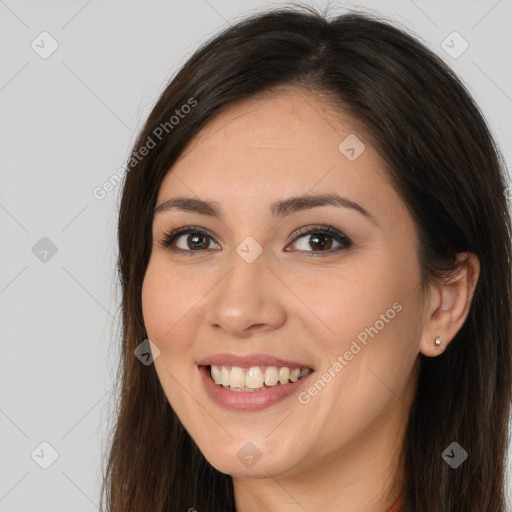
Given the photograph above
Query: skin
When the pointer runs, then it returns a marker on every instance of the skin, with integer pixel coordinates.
(341, 450)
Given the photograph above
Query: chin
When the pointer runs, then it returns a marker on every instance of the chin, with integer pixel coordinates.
(242, 458)
(261, 469)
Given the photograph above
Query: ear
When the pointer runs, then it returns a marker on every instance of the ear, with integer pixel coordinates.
(448, 304)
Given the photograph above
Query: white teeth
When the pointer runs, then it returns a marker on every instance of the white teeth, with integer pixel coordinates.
(237, 377)
(284, 374)
(216, 375)
(224, 376)
(271, 376)
(255, 379)
(294, 374)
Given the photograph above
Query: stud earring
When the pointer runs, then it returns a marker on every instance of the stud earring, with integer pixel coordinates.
(438, 342)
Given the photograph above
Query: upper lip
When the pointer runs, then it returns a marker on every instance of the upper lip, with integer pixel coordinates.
(249, 360)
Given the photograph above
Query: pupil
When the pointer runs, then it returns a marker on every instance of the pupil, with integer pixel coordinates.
(322, 244)
(200, 246)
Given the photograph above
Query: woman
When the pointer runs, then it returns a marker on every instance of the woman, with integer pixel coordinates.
(315, 250)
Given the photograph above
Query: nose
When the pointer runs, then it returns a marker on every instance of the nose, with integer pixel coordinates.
(248, 298)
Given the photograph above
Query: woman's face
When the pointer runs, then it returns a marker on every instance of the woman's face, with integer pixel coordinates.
(250, 291)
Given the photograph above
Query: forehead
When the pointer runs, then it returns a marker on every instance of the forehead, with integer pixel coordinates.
(288, 139)
(285, 122)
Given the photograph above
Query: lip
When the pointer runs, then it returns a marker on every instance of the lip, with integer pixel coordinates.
(250, 400)
(246, 361)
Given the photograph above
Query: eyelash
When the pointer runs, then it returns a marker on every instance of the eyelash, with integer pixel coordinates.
(341, 238)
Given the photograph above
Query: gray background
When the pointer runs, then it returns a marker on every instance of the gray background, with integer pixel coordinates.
(67, 124)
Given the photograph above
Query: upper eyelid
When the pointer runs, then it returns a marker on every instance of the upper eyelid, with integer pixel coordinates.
(302, 231)
(294, 236)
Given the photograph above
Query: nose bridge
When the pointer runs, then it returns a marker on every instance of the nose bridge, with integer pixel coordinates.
(244, 281)
(244, 298)
(247, 262)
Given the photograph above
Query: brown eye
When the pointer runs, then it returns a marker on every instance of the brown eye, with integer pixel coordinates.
(194, 240)
(321, 239)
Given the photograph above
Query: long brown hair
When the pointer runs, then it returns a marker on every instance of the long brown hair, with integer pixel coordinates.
(448, 171)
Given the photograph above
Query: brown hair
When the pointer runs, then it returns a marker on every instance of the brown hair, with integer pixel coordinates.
(448, 171)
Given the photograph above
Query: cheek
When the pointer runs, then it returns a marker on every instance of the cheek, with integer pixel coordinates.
(154, 305)
(168, 315)
(367, 317)
(371, 358)
(163, 303)
(171, 308)
(344, 303)
(165, 299)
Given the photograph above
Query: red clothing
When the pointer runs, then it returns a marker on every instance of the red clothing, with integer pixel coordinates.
(397, 507)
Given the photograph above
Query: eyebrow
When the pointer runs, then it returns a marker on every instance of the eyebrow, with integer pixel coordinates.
(279, 209)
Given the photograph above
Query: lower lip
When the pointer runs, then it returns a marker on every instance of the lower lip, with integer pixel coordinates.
(249, 400)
